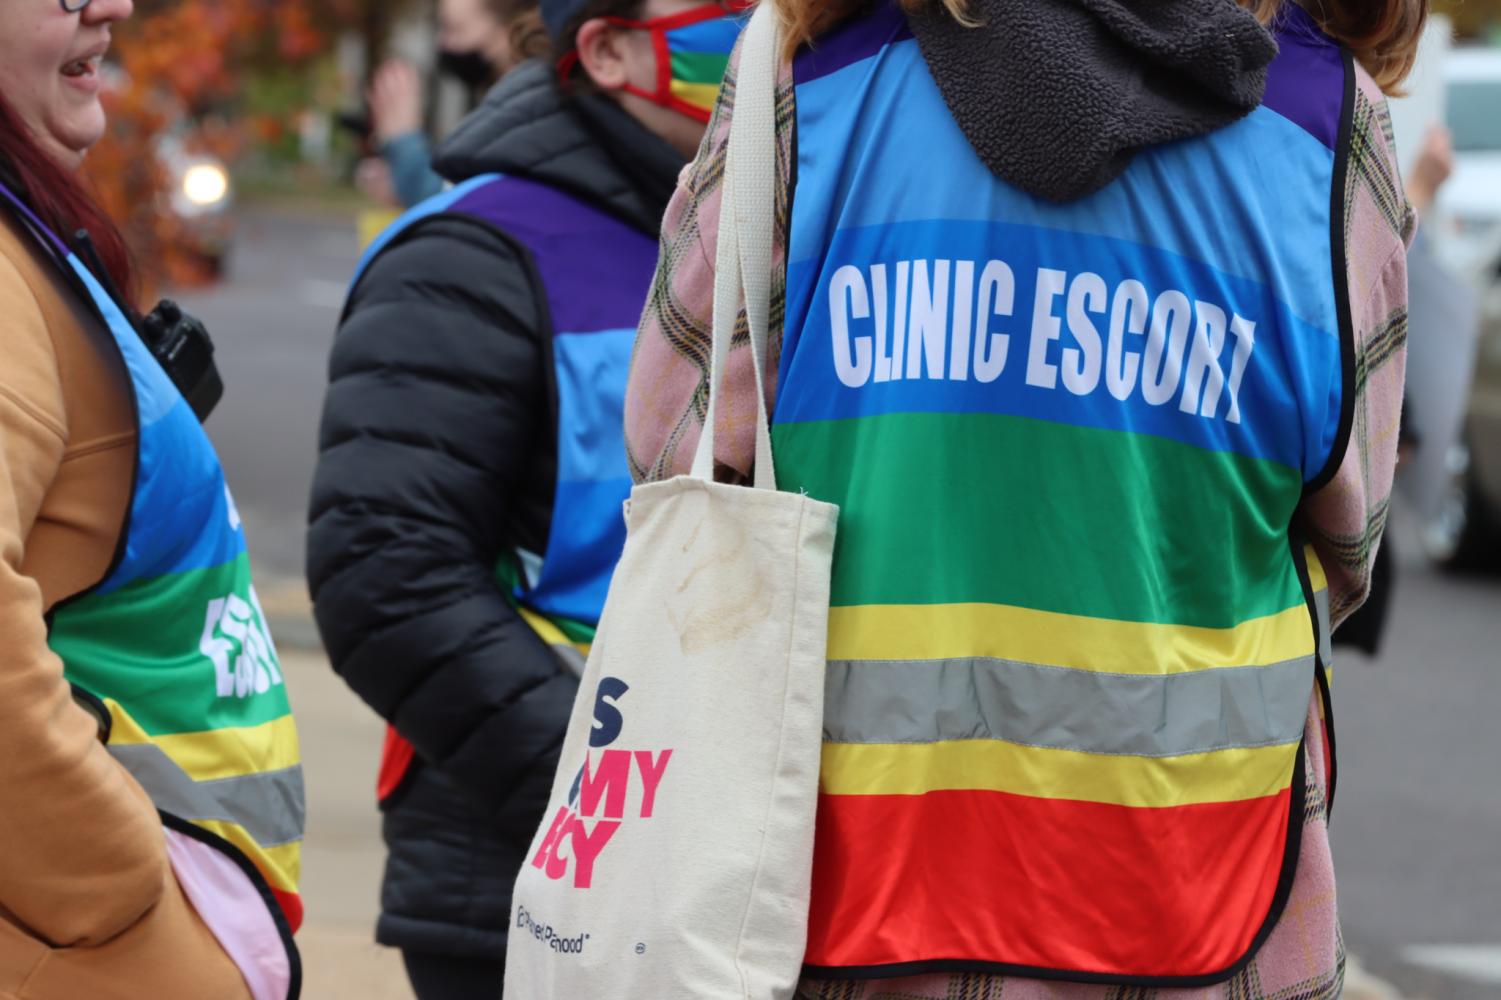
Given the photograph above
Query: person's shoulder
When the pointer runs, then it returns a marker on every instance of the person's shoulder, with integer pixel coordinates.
(1373, 174)
(18, 269)
(30, 378)
(451, 294)
(443, 250)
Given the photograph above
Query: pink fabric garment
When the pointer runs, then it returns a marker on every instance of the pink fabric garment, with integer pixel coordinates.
(234, 910)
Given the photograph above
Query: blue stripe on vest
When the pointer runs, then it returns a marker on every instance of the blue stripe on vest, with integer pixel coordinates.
(864, 198)
(588, 527)
(435, 205)
(901, 189)
(1192, 403)
(180, 517)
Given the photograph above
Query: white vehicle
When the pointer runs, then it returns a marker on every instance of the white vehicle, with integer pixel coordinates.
(1467, 530)
(199, 197)
(1470, 202)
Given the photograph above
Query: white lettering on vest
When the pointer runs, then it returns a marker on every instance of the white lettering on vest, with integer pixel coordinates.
(1128, 314)
(1045, 328)
(1204, 361)
(964, 297)
(935, 320)
(848, 298)
(997, 298)
(899, 317)
(1081, 365)
(1164, 358)
(928, 328)
(234, 639)
(1245, 341)
(883, 355)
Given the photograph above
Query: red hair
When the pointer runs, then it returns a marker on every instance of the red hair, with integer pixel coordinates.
(59, 197)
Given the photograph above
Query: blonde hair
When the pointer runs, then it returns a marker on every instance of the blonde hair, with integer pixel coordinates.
(1382, 34)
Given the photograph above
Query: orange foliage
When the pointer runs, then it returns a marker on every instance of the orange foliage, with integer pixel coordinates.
(177, 60)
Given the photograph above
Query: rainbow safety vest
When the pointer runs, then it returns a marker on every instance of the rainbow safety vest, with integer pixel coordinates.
(172, 652)
(595, 271)
(1075, 633)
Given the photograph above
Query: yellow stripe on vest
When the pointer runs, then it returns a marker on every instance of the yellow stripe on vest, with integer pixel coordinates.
(550, 633)
(991, 765)
(219, 753)
(1316, 575)
(954, 631)
(281, 865)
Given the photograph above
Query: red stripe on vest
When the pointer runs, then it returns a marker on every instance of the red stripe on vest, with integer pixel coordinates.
(1042, 883)
(395, 761)
(291, 907)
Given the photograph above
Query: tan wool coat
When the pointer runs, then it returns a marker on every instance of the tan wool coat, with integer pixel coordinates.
(89, 907)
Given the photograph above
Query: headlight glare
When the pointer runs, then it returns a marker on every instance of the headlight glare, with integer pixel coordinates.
(205, 184)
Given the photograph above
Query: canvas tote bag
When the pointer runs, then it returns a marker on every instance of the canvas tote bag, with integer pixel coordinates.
(676, 857)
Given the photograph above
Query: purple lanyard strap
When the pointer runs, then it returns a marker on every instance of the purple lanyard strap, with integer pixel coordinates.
(38, 228)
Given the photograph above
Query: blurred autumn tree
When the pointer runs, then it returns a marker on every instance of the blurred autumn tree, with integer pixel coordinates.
(222, 75)
(1472, 18)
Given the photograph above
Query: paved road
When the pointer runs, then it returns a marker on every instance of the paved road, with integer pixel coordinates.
(273, 323)
(1418, 819)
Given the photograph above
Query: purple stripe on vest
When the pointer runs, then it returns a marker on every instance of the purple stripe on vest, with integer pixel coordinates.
(852, 41)
(597, 270)
(1306, 82)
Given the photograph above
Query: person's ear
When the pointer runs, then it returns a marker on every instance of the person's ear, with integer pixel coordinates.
(602, 53)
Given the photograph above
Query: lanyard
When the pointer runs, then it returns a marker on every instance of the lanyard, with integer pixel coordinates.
(49, 240)
(65, 260)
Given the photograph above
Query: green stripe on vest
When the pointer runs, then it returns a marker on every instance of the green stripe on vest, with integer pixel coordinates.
(933, 486)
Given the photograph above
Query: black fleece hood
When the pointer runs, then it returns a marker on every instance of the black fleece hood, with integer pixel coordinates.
(1057, 96)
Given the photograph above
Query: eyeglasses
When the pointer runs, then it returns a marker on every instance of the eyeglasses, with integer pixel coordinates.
(73, 6)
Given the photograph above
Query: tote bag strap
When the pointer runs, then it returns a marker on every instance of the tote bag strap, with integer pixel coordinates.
(744, 259)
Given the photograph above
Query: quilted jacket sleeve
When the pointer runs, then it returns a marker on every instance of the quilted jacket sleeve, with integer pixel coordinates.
(436, 407)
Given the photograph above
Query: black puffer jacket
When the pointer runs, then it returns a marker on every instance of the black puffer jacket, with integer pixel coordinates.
(438, 455)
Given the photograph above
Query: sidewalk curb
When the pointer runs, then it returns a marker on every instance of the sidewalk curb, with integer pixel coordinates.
(289, 613)
(295, 632)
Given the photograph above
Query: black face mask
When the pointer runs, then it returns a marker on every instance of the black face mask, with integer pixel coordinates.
(469, 68)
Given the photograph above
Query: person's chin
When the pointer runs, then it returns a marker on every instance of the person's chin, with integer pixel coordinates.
(79, 131)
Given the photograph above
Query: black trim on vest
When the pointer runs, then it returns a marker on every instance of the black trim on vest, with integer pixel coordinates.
(218, 843)
(1291, 851)
(1338, 192)
(95, 706)
(793, 146)
(1329, 745)
(1321, 669)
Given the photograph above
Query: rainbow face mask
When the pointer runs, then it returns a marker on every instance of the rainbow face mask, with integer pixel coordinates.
(693, 50)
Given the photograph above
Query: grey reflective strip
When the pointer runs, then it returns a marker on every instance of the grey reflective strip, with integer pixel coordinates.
(573, 660)
(927, 701)
(271, 806)
(1326, 642)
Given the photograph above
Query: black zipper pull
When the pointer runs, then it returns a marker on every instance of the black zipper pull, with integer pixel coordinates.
(101, 273)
